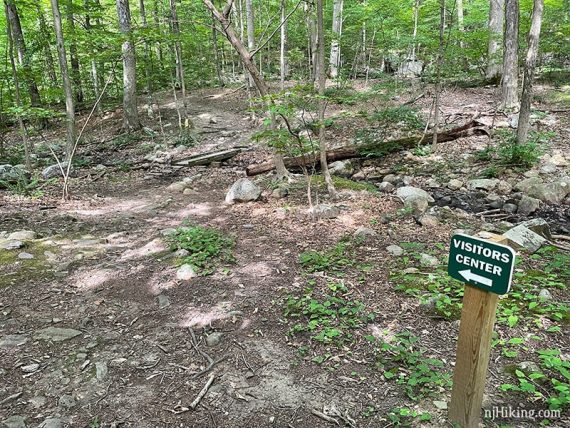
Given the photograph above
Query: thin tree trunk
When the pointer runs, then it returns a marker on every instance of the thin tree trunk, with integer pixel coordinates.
(17, 35)
(312, 42)
(247, 61)
(494, 50)
(250, 18)
(216, 53)
(460, 21)
(147, 59)
(436, 104)
(322, 79)
(130, 112)
(179, 65)
(509, 99)
(530, 65)
(17, 88)
(334, 62)
(50, 64)
(74, 59)
(417, 5)
(69, 105)
(283, 51)
(94, 74)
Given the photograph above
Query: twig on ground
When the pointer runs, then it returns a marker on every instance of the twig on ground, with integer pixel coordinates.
(202, 393)
(324, 417)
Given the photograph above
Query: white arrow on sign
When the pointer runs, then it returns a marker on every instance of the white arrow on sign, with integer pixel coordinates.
(470, 276)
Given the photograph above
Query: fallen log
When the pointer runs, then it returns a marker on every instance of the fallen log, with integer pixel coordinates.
(208, 158)
(375, 149)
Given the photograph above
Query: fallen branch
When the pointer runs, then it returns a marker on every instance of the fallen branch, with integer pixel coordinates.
(375, 149)
(208, 158)
(202, 393)
(325, 417)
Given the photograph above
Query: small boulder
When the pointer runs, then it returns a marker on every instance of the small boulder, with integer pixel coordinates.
(56, 334)
(280, 192)
(12, 174)
(10, 245)
(427, 260)
(185, 273)
(510, 208)
(54, 171)
(545, 294)
(15, 421)
(386, 187)
(415, 198)
(395, 250)
(213, 339)
(486, 184)
(504, 187)
(23, 235)
(324, 211)
(391, 178)
(341, 168)
(455, 184)
(243, 190)
(428, 220)
(524, 238)
(528, 205)
(364, 232)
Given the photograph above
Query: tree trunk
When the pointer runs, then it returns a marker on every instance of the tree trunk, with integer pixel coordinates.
(526, 98)
(9, 32)
(147, 58)
(215, 47)
(17, 35)
(439, 65)
(50, 64)
(283, 50)
(496, 23)
(417, 5)
(69, 105)
(312, 42)
(74, 59)
(246, 58)
(322, 80)
(337, 33)
(509, 98)
(250, 19)
(374, 149)
(130, 113)
(94, 73)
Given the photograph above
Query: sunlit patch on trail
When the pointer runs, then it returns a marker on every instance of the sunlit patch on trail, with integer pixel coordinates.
(200, 210)
(153, 247)
(203, 317)
(161, 281)
(256, 269)
(92, 278)
(116, 206)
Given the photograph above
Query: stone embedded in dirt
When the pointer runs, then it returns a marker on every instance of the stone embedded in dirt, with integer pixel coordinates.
(395, 250)
(524, 238)
(167, 232)
(101, 370)
(455, 184)
(280, 192)
(11, 174)
(10, 245)
(25, 256)
(433, 183)
(15, 421)
(528, 205)
(181, 253)
(177, 187)
(213, 339)
(163, 301)
(441, 405)
(364, 232)
(341, 168)
(243, 190)
(415, 198)
(494, 201)
(428, 220)
(54, 171)
(548, 168)
(545, 294)
(486, 184)
(557, 159)
(504, 187)
(13, 341)
(510, 208)
(66, 401)
(51, 423)
(185, 273)
(56, 334)
(528, 184)
(391, 178)
(552, 193)
(30, 368)
(385, 187)
(22, 235)
(427, 260)
(324, 211)
(529, 367)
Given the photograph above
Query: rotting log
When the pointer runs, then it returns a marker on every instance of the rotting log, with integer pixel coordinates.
(375, 149)
(208, 158)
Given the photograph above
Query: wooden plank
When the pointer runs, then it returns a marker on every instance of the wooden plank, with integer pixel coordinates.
(208, 158)
(473, 352)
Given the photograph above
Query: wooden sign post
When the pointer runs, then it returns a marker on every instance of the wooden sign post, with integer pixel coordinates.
(485, 281)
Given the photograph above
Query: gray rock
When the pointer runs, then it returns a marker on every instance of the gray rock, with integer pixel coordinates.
(428, 220)
(15, 421)
(243, 190)
(524, 238)
(185, 273)
(539, 226)
(427, 260)
(66, 401)
(182, 253)
(408, 192)
(30, 368)
(386, 187)
(528, 205)
(433, 183)
(510, 208)
(22, 235)
(455, 184)
(341, 168)
(558, 159)
(410, 68)
(25, 256)
(53, 171)
(364, 232)
(10, 245)
(56, 334)
(213, 339)
(163, 301)
(178, 187)
(486, 184)
(391, 178)
(528, 185)
(12, 174)
(395, 250)
(555, 192)
(13, 341)
(51, 423)
(168, 232)
(529, 367)
(324, 211)
(101, 370)
(514, 121)
(548, 168)
(545, 294)
(280, 192)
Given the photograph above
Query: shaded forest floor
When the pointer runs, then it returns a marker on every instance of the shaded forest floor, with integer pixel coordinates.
(96, 330)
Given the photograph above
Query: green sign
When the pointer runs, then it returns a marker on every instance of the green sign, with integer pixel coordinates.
(481, 263)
